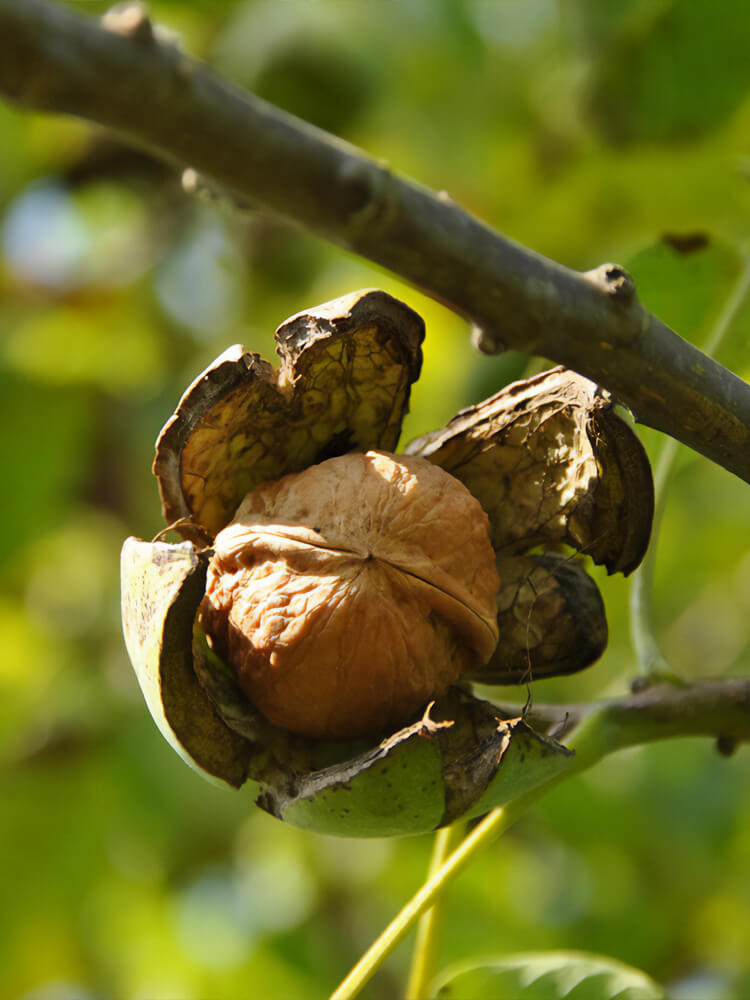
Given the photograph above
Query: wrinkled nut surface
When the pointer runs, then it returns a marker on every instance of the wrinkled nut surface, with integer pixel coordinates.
(348, 595)
(363, 569)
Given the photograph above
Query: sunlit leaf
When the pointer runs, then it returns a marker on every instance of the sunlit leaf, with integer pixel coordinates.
(548, 976)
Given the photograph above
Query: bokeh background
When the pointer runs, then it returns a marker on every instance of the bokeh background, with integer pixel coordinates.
(583, 129)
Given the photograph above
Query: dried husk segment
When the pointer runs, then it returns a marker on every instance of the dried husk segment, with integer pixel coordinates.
(551, 463)
(346, 372)
(551, 618)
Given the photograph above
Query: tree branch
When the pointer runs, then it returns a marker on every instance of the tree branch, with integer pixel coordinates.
(718, 709)
(120, 74)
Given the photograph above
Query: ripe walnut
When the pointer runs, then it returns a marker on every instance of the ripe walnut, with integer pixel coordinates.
(349, 595)
(343, 598)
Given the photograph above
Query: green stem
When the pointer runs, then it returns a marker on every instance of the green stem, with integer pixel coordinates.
(651, 661)
(431, 923)
(481, 836)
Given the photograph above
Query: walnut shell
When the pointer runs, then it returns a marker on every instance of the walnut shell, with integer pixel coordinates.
(349, 595)
(551, 464)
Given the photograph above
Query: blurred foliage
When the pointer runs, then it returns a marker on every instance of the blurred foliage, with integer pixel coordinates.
(584, 130)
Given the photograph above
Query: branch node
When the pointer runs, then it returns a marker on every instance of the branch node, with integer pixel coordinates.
(196, 184)
(368, 204)
(129, 19)
(486, 341)
(613, 281)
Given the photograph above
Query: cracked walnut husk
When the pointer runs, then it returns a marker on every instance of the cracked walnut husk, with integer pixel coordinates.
(315, 632)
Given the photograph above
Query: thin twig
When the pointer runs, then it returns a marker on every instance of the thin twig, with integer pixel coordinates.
(651, 659)
(481, 836)
(427, 944)
(719, 709)
(121, 74)
(712, 708)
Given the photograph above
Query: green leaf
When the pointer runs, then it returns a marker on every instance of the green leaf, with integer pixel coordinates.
(658, 78)
(549, 975)
(685, 280)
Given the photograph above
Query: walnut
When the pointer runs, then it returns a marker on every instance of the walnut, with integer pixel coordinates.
(343, 587)
(349, 595)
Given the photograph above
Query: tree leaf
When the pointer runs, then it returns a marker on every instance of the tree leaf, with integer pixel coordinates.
(657, 78)
(685, 279)
(554, 975)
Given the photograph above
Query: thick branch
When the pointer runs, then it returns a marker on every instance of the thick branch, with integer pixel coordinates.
(120, 75)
